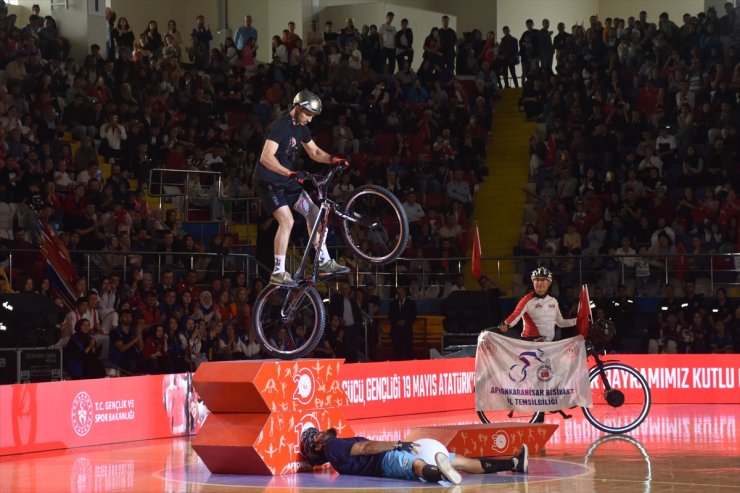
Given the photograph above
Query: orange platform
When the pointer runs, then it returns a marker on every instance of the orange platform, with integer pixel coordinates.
(259, 410)
(487, 440)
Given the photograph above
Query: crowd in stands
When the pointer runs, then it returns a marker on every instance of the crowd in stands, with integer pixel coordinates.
(636, 157)
(79, 141)
(149, 99)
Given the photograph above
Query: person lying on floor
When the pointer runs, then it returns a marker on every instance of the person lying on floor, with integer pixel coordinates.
(359, 456)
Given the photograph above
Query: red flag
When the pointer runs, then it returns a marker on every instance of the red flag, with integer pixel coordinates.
(475, 264)
(584, 312)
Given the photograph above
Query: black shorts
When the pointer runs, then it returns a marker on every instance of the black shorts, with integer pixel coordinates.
(275, 196)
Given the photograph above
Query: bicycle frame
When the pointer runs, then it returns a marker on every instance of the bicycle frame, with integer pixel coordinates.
(327, 207)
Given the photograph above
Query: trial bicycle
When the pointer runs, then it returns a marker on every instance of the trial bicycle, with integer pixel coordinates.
(289, 321)
(621, 395)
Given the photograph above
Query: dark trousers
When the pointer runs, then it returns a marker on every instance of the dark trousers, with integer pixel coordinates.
(407, 55)
(389, 57)
(402, 338)
(504, 69)
(352, 343)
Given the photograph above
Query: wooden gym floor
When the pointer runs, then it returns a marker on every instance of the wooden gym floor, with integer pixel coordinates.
(680, 448)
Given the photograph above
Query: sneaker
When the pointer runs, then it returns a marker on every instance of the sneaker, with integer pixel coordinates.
(445, 467)
(282, 279)
(521, 461)
(331, 268)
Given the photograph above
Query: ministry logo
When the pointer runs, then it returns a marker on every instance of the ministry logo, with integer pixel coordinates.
(82, 414)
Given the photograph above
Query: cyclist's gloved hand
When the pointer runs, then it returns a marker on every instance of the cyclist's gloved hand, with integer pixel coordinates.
(299, 176)
(340, 161)
(405, 446)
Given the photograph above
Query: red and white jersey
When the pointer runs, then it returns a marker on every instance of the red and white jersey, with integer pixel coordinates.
(540, 316)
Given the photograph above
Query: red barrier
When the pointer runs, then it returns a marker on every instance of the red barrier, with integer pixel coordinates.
(57, 415)
(411, 387)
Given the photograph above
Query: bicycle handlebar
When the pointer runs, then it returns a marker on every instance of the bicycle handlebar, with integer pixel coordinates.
(321, 181)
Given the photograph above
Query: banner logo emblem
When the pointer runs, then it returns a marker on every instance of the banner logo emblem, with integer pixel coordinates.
(518, 371)
(82, 414)
(305, 385)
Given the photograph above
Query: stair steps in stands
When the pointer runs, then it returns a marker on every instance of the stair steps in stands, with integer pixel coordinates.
(500, 200)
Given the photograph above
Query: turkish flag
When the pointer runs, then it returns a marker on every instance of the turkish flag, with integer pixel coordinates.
(584, 311)
(475, 264)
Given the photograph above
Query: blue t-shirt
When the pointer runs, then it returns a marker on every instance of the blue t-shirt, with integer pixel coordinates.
(338, 452)
(289, 137)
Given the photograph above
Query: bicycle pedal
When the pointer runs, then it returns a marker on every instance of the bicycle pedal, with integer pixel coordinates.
(564, 415)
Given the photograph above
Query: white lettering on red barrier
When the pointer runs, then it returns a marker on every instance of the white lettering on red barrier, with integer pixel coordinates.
(388, 388)
(115, 410)
(690, 378)
(713, 378)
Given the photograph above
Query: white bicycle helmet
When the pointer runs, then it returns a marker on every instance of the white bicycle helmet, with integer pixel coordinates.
(541, 273)
(309, 101)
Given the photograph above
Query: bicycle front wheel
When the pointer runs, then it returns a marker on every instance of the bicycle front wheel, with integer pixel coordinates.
(289, 322)
(376, 228)
(621, 398)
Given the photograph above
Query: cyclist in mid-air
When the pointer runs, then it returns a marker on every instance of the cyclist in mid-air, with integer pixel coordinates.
(539, 311)
(278, 184)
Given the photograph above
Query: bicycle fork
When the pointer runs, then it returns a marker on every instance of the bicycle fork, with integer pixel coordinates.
(291, 304)
(614, 397)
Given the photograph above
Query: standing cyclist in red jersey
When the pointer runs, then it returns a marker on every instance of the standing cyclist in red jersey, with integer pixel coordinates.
(539, 310)
(278, 184)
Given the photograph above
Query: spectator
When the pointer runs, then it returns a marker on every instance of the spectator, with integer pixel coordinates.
(721, 339)
(80, 355)
(343, 304)
(253, 349)
(155, 358)
(343, 138)
(70, 320)
(246, 32)
(387, 33)
(402, 314)
(127, 343)
(404, 42)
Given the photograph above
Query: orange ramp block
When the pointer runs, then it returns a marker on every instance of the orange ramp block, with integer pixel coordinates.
(259, 410)
(261, 443)
(488, 440)
(270, 385)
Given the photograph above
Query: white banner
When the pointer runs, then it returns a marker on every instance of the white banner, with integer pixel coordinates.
(530, 376)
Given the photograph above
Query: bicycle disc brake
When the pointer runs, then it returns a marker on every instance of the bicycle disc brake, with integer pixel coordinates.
(614, 397)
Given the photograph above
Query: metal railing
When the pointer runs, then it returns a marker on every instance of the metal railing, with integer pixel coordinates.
(423, 275)
(187, 187)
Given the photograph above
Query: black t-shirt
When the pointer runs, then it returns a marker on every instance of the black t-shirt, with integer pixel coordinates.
(288, 136)
(338, 452)
(331, 37)
(118, 334)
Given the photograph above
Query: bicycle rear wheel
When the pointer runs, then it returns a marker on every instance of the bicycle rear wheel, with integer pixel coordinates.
(506, 416)
(289, 321)
(378, 228)
(621, 398)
